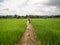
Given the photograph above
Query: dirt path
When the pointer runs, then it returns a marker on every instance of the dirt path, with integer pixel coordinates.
(29, 37)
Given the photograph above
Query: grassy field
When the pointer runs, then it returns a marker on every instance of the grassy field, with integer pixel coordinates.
(11, 30)
(47, 31)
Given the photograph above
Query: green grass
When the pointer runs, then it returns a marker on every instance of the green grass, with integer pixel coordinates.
(11, 30)
(47, 31)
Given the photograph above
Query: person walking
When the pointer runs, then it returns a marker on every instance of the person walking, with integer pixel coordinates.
(28, 21)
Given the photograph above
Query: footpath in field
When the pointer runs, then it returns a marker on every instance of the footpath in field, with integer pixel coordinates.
(29, 37)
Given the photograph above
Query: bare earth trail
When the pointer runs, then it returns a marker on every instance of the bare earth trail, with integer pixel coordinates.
(29, 37)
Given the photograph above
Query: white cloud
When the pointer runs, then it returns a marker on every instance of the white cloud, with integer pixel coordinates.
(23, 7)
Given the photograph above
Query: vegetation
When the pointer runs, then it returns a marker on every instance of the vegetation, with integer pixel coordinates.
(31, 16)
(11, 30)
(47, 31)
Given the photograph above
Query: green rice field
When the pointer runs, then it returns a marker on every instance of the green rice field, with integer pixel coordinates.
(47, 30)
(11, 30)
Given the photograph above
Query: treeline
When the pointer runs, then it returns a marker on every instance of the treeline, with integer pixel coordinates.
(31, 16)
(11, 16)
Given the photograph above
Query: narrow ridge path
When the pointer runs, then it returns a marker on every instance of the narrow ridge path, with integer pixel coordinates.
(29, 37)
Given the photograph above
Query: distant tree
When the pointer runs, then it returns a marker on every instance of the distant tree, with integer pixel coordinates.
(15, 16)
(18, 17)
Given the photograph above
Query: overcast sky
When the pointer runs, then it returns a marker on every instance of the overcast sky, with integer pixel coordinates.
(34, 7)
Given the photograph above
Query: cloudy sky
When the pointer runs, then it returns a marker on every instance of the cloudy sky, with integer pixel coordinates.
(35, 7)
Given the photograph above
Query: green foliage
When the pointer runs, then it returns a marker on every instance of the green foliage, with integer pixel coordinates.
(11, 30)
(47, 31)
